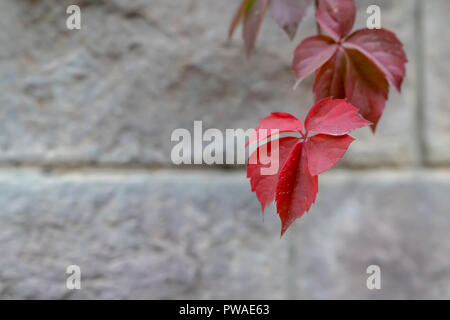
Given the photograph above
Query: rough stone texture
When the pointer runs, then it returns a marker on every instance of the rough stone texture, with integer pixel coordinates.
(114, 91)
(437, 79)
(399, 222)
(137, 236)
(200, 235)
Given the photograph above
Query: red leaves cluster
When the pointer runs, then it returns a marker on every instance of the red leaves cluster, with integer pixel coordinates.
(301, 156)
(358, 67)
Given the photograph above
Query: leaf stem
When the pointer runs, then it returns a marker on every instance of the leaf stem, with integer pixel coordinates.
(304, 135)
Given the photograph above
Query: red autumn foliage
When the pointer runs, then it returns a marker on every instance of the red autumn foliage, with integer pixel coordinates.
(353, 68)
(301, 157)
(358, 67)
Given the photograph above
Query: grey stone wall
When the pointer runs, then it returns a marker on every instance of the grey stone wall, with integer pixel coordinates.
(86, 178)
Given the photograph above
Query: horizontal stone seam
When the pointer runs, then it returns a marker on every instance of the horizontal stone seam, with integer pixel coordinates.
(49, 167)
(199, 175)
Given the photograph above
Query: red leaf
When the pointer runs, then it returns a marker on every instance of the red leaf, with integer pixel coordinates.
(253, 19)
(384, 49)
(330, 78)
(280, 121)
(366, 87)
(334, 117)
(311, 54)
(293, 181)
(296, 189)
(289, 13)
(336, 17)
(325, 151)
(265, 185)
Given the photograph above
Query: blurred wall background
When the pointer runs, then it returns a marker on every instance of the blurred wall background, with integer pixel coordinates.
(86, 177)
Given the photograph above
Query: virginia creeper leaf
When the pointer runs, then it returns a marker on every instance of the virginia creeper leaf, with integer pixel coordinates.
(289, 13)
(300, 159)
(330, 78)
(251, 13)
(336, 17)
(384, 49)
(265, 185)
(311, 54)
(325, 151)
(239, 15)
(253, 18)
(283, 122)
(296, 189)
(366, 87)
(333, 117)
